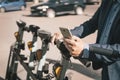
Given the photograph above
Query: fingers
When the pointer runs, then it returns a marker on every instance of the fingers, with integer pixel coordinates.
(70, 45)
(72, 41)
(72, 49)
(55, 37)
(69, 42)
(76, 38)
(74, 45)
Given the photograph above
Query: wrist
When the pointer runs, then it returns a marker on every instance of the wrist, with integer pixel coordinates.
(86, 46)
(84, 52)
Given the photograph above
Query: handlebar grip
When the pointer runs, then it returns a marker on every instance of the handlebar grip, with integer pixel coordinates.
(64, 51)
(20, 23)
(106, 52)
(34, 28)
(44, 35)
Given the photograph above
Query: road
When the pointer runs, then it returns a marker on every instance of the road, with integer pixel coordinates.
(8, 27)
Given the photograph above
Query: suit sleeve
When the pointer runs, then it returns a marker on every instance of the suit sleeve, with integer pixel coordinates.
(98, 59)
(87, 27)
(112, 52)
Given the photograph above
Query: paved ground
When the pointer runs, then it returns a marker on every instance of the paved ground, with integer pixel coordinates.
(8, 27)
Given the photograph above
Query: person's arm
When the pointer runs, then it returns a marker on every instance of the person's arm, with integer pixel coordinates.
(108, 53)
(98, 58)
(87, 27)
(97, 53)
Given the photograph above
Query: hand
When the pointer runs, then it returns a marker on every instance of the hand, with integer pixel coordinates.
(74, 45)
(56, 37)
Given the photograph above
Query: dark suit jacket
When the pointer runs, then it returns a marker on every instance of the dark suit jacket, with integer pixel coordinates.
(110, 65)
